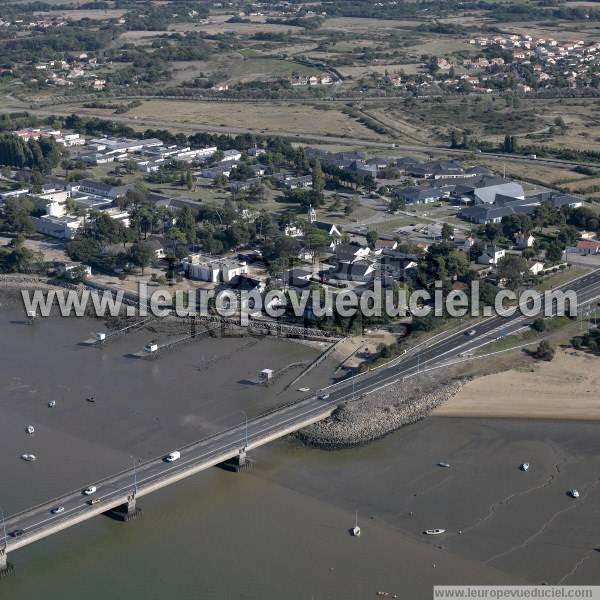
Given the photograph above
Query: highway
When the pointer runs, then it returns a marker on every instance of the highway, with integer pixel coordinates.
(39, 522)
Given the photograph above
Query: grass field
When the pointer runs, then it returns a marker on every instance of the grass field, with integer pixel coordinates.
(298, 118)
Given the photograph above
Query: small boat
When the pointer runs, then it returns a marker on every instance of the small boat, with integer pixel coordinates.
(444, 464)
(574, 493)
(30, 429)
(304, 389)
(28, 457)
(91, 399)
(52, 404)
(355, 531)
(524, 467)
(434, 531)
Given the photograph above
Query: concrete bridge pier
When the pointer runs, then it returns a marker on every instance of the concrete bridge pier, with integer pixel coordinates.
(238, 463)
(5, 567)
(126, 512)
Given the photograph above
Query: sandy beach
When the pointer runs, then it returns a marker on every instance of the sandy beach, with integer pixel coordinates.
(566, 388)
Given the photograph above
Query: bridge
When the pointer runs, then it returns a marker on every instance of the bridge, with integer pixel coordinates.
(118, 494)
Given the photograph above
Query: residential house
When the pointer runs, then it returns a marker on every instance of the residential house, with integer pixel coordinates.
(353, 271)
(351, 253)
(524, 240)
(304, 182)
(234, 155)
(297, 277)
(588, 247)
(535, 267)
(491, 256)
(293, 231)
(381, 245)
(70, 270)
(215, 270)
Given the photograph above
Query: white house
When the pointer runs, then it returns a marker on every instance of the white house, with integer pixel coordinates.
(491, 256)
(70, 270)
(231, 155)
(215, 270)
(293, 231)
(524, 240)
(536, 267)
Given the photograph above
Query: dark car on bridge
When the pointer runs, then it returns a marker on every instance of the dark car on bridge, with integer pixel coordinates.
(15, 533)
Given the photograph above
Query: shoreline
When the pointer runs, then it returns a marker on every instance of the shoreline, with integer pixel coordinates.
(567, 389)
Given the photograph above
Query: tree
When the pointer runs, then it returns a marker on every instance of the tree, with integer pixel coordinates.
(372, 236)
(453, 139)
(220, 181)
(318, 177)
(511, 268)
(19, 259)
(397, 203)
(187, 224)
(141, 254)
(16, 215)
(259, 192)
(350, 205)
(554, 252)
(84, 249)
(189, 179)
(447, 232)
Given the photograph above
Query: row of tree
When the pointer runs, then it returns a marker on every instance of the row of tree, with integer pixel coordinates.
(43, 154)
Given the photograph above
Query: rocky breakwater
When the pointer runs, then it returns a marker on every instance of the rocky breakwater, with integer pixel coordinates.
(378, 414)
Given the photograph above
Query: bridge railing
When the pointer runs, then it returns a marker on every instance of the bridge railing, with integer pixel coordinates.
(149, 461)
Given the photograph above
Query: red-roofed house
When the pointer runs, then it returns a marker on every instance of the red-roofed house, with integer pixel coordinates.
(386, 245)
(588, 247)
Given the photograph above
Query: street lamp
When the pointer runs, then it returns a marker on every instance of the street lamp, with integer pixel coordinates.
(3, 526)
(245, 428)
(134, 475)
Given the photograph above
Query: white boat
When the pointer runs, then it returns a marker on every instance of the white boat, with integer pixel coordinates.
(524, 467)
(434, 531)
(30, 429)
(52, 404)
(304, 389)
(28, 457)
(355, 531)
(444, 464)
(574, 493)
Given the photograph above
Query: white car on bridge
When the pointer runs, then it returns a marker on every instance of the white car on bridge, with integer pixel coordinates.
(173, 456)
(90, 490)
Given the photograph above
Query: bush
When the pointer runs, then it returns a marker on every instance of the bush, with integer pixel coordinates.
(539, 325)
(544, 351)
